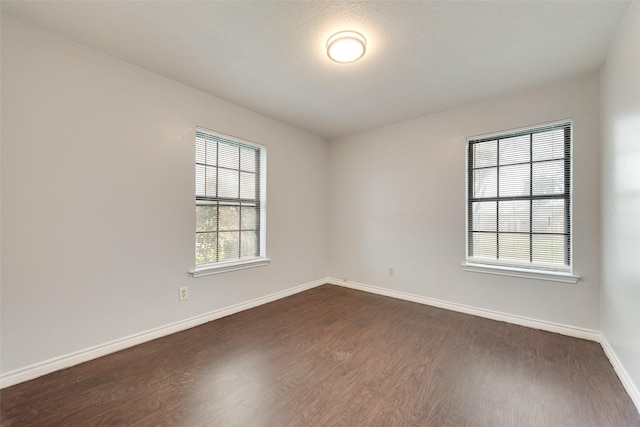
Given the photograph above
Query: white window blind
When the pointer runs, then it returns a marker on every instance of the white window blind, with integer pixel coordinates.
(229, 193)
(519, 198)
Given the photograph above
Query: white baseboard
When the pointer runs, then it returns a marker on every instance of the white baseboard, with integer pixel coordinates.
(48, 366)
(572, 331)
(628, 384)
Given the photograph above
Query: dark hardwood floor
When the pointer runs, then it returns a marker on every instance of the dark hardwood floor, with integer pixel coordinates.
(335, 357)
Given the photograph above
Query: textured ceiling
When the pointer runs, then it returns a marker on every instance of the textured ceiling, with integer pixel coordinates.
(269, 56)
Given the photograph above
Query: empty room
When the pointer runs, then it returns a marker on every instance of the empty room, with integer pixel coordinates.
(320, 213)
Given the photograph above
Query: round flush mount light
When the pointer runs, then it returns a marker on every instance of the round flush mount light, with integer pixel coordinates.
(346, 46)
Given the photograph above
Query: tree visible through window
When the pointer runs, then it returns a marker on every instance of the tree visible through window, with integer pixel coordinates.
(228, 199)
(519, 198)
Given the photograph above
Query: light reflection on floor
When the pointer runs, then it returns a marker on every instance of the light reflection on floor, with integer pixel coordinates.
(234, 391)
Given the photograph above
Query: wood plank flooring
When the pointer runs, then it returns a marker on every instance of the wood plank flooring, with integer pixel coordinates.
(332, 356)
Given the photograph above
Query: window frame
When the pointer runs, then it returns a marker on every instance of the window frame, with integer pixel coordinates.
(526, 270)
(261, 181)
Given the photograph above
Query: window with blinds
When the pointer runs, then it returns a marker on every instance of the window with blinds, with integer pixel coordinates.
(519, 198)
(229, 199)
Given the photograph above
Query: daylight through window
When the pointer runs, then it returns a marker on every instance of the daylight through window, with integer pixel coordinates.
(229, 199)
(519, 198)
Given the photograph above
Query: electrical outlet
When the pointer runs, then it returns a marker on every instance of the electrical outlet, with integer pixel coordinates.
(392, 271)
(345, 278)
(184, 293)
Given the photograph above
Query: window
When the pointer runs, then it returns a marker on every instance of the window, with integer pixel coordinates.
(519, 199)
(230, 189)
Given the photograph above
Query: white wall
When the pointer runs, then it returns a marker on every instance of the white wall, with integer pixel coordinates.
(98, 209)
(620, 293)
(97, 201)
(397, 198)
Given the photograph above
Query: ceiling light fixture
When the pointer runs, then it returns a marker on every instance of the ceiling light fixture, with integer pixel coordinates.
(346, 46)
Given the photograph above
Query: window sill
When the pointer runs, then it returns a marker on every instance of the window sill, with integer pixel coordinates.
(229, 266)
(551, 276)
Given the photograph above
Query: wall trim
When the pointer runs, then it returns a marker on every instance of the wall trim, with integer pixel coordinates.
(572, 331)
(628, 384)
(62, 362)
